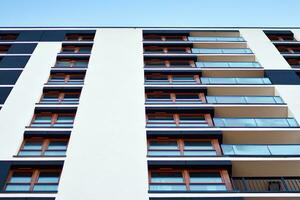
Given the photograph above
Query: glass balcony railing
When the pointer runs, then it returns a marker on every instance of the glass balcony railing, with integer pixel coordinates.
(266, 184)
(228, 65)
(215, 39)
(244, 100)
(66, 64)
(260, 150)
(234, 81)
(255, 122)
(221, 51)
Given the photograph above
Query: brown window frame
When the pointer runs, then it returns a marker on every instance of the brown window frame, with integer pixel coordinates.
(167, 49)
(4, 48)
(60, 95)
(54, 117)
(8, 36)
(79, 37)
(186, 177)
(66, 76)
(170, 77)
(165, 37)
(173, 95)
(45, 144)
(73, 48)
(180, 143)
(176, 117)
(34, 177)
(168, 63)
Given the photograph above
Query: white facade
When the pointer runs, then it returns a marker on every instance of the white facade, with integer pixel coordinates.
(107, 151)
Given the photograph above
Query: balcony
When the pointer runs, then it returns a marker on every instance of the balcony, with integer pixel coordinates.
(280, 36)
(234, 81)
(200, 98)
(228, 65)
(271, 150)
(189, 50)
(244, 100)
(255, 122)
(215, 39)
(52, 120)
(288, 49)
(266, 184)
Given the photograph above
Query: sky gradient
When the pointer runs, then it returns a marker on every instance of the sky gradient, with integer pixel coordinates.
(182, 13)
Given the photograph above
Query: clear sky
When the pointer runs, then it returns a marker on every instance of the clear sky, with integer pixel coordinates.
(150, 13)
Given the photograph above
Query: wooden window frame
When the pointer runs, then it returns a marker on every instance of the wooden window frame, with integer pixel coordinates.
(161, 49)
(173, 95)
(67, 77)
(79, 37)
(180, 144)
(164, 37)
(54, 117)
(45, 144)
(71, 61)
(176, 117)
(60, 95)
(8, 36)
(168, 63)
(34, 177)
(186, 177)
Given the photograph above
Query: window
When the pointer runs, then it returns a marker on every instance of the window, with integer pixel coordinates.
(183, 147)
(155, 37)
(163, 79)
(164, 49)
(71, 63)
(178, 120)
(288, 49)
(43, 147)
(64, 78)
(280, 36)
(76, 49)
(79, 37)
(189, 180)
(56, 97)
(186, 98)
(8, 36)
(32, 180)
(255, 122)
(4, 48)
(63, 120)
(169, 63)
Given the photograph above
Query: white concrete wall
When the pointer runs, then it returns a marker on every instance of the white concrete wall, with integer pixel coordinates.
(19, 106)
(266, 53)
(106, 157)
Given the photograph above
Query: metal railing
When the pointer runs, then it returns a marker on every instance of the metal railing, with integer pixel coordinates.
(266, 184)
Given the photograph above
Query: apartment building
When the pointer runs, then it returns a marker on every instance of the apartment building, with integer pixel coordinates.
(91, 113)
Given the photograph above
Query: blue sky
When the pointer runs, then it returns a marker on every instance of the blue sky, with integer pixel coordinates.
(150, 13)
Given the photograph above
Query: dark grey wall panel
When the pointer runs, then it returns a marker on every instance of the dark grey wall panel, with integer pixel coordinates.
(26, 48)
(14, 61)
(30, 35)
(4, 92)
(283, 77)
(8, 77)
(53, 35)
